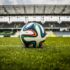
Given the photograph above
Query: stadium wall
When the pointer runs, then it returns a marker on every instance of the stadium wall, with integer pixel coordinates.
(49, 34)
(62, 34)
(58, 34)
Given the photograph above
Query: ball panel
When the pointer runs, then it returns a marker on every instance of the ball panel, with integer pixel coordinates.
(29, 44)
(43, 33)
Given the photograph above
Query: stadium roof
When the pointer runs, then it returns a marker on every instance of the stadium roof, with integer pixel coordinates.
(34, 10)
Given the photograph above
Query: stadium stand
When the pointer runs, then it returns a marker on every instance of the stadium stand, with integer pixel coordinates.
(6, 25)
(65, 24)
(7, 29)
(51, 24)
(51, 17)
(18, 24)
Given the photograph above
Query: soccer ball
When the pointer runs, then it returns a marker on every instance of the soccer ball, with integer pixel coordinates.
(32, 35)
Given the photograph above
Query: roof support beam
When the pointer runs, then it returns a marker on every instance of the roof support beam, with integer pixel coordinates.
(63, 9)
(5, 10)
(34, 14)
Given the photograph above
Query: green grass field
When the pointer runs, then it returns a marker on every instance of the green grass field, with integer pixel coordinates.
(55, 55)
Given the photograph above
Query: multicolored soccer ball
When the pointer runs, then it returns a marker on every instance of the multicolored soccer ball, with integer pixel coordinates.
(32, 35)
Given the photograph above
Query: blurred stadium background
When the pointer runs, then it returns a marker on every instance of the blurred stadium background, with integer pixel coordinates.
(54, 18)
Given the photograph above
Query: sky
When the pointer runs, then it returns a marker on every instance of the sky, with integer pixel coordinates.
(29, 2)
